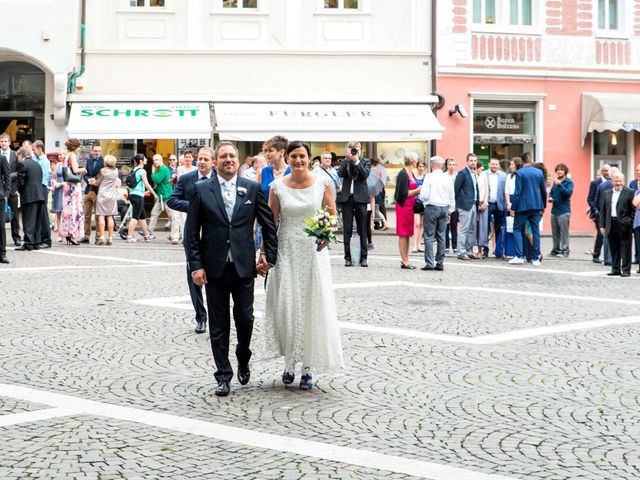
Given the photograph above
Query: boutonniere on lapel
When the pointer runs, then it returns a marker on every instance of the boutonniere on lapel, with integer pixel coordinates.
(242, 191)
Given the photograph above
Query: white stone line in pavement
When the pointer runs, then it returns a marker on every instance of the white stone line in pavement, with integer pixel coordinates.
(183, 303)
(528, 268)
(97, 257)
(85, 267)
(248, 437)
(34, 416)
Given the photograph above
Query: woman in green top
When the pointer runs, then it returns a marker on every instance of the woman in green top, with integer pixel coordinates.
(161, 177)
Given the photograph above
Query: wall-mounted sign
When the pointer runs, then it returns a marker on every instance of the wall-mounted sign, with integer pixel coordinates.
(506, 123)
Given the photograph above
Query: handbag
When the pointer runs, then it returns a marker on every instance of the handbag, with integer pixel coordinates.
(418, 207)
(70, 177)
(8, 214)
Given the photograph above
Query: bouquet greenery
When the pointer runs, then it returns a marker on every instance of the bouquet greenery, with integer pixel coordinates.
(322, 226)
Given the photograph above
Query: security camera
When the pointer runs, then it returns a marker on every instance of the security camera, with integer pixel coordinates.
(463, 113)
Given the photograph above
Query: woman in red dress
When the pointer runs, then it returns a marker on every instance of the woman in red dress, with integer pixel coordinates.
(406, 190)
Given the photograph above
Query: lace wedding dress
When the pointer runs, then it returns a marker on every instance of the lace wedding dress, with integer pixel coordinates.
(301, 322)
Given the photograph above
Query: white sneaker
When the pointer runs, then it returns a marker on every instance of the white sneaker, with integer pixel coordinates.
(516, 261)
(131, 240)
(148, 238)
(536, 263)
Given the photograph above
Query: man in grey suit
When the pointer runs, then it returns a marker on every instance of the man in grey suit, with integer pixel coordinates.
(13, 199)
(496, 201)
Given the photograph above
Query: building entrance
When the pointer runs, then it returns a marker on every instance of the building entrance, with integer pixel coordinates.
(22, 98)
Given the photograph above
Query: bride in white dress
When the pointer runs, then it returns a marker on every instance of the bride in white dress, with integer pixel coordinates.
(301, 321)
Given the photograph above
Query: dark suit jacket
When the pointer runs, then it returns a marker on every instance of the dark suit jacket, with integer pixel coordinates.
(30, 181)
(5, 178)
(179, 199)
(358, 174)
(591, 197)
(633, 184)
(13, 164)
(466, 199)
(602, 188)
(624, 210)
(210, 234)
(531, 190)
(94, 165)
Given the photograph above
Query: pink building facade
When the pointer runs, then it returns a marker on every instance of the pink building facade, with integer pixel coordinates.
(557, 78)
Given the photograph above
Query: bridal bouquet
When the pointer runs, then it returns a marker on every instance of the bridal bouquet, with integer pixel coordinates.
(322, 226)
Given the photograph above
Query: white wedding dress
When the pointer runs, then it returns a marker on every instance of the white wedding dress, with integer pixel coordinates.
(301, 322)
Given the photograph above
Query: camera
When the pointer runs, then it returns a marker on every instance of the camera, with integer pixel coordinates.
(353, 151)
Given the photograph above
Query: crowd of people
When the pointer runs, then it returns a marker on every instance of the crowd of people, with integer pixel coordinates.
(471, 207)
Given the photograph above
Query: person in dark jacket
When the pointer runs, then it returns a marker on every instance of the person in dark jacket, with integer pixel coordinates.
(560, 197)
(5, 191)
(31, 198)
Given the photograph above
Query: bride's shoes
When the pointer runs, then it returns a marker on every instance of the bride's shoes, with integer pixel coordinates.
(305, 382)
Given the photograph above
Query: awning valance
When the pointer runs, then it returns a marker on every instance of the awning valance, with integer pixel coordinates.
(326, 122)
(170, 120)
(603, 111)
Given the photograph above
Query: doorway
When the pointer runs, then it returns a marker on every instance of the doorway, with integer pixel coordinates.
(22, 97)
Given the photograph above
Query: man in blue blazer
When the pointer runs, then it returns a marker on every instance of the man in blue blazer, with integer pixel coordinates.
(466, 192)
(179, 200)
(528, 204)
(496, 202)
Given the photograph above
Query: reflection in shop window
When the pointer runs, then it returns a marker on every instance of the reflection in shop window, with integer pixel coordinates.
(610, 143)
(241, 4)
(344, 4)
(146, 3)
(520, 12)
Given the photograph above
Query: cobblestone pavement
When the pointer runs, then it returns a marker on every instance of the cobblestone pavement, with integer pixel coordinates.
(554, 404)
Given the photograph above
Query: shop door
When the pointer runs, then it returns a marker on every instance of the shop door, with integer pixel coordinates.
(503, 152)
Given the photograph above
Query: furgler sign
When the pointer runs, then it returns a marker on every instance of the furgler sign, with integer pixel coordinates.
(140, 120)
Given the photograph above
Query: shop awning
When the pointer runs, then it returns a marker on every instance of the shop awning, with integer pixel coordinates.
(603, 111)
(326, 122)
(140, 120)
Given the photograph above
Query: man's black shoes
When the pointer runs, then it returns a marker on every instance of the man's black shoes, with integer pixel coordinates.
(244, 374)
(24, 248)
(348, 263)
(45, 245)
(363, 263)
(201, 326)
(613, 274)
(223, 389)
(83, 240)
(3, 259)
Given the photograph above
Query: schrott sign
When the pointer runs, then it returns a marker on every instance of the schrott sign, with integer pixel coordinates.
(172, 120)
(138, 112)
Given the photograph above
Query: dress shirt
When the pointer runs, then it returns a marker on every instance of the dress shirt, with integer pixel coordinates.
(45, 165)
(357, 162)
(493, 186)
(250, 174)
(614, 203)
(474, 180)
(437, 190)
(228, 190)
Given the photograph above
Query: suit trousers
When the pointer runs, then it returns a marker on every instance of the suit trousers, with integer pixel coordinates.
(45, 224)
(636, 236)
(89, 206)
(435, 228)
(350, 209)
(619, 237)
(597, 246)
(31, 224)
(466, 236)
(533, 216)
(195, 292)
(3, 229)
(496, 216)
(560, 232)
(15, 221)
(219, 290)
(452, 228)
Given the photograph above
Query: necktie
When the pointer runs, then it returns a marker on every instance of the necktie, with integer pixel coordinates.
(228, 198)
(201, 179)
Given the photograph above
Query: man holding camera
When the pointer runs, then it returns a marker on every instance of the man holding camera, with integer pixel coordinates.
(354, 198)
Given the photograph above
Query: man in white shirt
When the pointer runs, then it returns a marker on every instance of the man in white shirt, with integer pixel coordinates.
(257, 163)
(496, 203)
(438, 197)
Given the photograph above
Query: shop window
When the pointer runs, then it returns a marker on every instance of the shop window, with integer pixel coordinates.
(146, 3)
(342, 4)
(239, 4)
(610, 147)
(484, 11)
(608, 15)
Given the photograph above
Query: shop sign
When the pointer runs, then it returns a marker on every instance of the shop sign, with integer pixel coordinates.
(125, 111)
(628, 126)
(505, 123)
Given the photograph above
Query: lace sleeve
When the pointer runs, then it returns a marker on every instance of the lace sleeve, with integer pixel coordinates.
(276, 186)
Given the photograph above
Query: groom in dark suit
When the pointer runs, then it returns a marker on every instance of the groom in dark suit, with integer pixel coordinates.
(221, 256)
